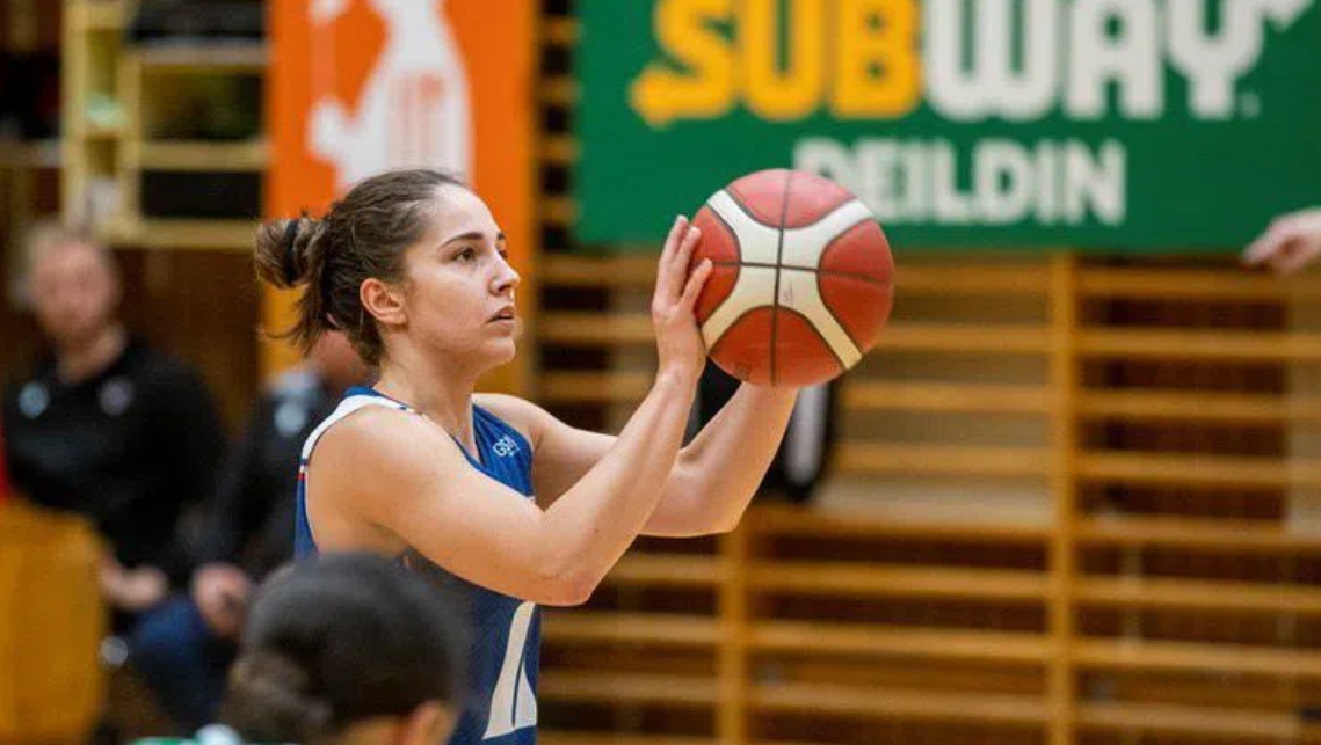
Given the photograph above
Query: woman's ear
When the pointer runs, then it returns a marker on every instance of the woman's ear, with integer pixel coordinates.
(429, 724)
(384, 302)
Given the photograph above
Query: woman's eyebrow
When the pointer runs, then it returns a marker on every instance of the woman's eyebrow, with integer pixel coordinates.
(473, 236)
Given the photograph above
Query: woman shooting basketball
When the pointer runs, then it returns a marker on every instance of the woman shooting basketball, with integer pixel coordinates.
(492, 490)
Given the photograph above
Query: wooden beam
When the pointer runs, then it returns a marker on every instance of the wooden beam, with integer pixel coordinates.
(816, 578)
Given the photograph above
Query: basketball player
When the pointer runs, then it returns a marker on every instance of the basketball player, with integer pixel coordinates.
(1290, 243)
(491, 491)
(344, 650)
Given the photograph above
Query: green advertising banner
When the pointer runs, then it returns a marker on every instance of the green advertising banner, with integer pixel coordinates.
(1152, 126)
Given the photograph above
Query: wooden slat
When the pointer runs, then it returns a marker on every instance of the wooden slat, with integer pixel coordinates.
(845, 578)
(1217, 723)
(559, 210)
(963, 338)
(862, 641)
(596, 686)
(94, 133)
(594, 387)
(1199, 595)
(599, 329)
(875, 703)
(559, 149)
(666, 569)
(972, 398)
(972, 279)
(1193, 533)
(596, 271)
(545, 737)
(826, 522)
(654, 629)
(640, 271)
(866, 458)
(1199, 470)
(103, 15)
(1204, 345)
(203, 156)
(560, 30)
(1199, 284)
(559, 91)
(203, 58)
(1168, 656)
(1198, 406)
(595, 328)
(184, 234)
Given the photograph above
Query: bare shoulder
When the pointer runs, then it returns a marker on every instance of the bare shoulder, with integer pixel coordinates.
(529, 419)
(379, 441)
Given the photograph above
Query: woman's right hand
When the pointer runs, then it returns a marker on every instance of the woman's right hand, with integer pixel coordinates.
(678, 339)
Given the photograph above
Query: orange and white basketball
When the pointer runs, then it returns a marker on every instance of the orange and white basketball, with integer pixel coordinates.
(802, 280)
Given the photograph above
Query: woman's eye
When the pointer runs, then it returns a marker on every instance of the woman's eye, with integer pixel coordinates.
(467, 254)
(504, 254)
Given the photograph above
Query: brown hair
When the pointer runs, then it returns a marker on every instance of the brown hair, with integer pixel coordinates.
(363, 235)
(342, 638)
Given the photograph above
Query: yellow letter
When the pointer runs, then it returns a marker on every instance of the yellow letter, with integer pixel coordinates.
(703, 85)
(877, 71)
(796, 91)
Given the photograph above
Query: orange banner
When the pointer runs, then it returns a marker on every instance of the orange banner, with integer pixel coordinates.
(360, 86)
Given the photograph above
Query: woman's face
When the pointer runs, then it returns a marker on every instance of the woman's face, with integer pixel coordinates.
(459, 286)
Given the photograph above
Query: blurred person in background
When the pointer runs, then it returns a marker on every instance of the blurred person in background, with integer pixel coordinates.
(1290, 243)
(106, 426)
(182, 648)
(348, 649)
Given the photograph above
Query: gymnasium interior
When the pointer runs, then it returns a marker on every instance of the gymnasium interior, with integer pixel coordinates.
(1072, 495)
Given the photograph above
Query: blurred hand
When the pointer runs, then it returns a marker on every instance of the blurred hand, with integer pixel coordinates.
(1290, 243)
(678, 339)
(221, 593)
(133, 590)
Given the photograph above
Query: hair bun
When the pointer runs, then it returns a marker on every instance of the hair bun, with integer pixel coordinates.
(292, 265)
(270, 697)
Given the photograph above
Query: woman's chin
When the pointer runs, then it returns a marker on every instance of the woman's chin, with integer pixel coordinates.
(500, 351)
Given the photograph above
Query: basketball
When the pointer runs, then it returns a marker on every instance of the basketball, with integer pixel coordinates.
(801, 282)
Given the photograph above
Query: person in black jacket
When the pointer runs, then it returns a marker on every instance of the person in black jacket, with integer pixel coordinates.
(106, 426)
(182, 648)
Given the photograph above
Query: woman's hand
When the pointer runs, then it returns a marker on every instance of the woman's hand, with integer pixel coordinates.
(678, 339)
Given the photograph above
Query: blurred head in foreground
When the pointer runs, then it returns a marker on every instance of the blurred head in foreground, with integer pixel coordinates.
(347, 649)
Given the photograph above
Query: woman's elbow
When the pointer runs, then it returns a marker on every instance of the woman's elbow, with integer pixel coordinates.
(568, 587)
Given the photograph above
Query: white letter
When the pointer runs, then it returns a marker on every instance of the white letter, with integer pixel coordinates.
(991, 87)
(1131, 58)
(951, 206)
(1212, 65)
(827, 158)
(1100, 182)
(877, 161)
(917, 181)
(1047, 183)
(1002, 181)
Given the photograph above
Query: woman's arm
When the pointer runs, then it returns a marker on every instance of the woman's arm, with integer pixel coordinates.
(714, 478)
(384, 477)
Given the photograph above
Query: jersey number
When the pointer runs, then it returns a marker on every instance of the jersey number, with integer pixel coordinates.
(513, 704)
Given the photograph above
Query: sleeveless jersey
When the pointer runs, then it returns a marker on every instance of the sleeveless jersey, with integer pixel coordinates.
(500, 705)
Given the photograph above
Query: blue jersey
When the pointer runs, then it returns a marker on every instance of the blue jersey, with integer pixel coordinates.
(500, 707)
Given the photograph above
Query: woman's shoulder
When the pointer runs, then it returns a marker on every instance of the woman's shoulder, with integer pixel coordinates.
(525, 417)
